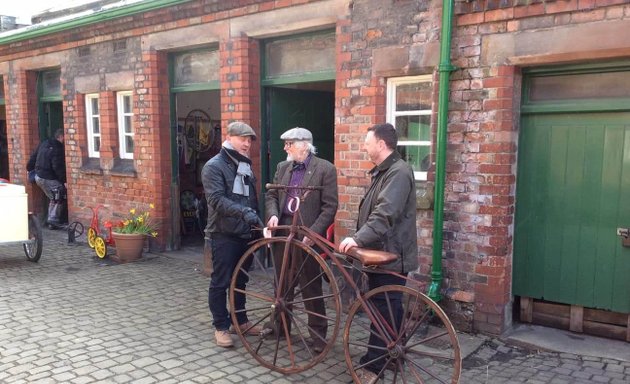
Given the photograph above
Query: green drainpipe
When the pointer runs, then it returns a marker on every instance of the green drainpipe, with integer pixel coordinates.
(445, 69)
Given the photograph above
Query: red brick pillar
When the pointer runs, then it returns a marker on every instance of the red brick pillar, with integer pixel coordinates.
(23, 132)
(240, 87)
(240, 98)
(497, 161)
(109, 128)
(152, 137)
(76, 151)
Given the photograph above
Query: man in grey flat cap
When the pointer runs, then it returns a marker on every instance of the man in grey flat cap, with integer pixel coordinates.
(230, 188)
(317, 211)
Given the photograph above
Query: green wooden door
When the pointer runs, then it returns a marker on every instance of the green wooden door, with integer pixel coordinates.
(573, 192)
(289, 108)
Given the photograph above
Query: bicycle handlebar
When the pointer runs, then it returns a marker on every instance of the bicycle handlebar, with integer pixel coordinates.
(303, 188)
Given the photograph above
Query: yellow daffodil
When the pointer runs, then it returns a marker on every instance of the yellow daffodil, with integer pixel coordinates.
(138, 222)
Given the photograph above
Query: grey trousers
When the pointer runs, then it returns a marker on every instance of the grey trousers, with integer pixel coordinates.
(52, 189)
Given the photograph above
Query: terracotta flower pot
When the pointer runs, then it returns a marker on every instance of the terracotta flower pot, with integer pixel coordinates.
(129, 246)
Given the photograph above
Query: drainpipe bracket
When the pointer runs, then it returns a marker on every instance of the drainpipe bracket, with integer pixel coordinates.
(447, 68)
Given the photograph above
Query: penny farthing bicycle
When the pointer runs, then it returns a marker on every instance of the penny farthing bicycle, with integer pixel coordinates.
(420, 344)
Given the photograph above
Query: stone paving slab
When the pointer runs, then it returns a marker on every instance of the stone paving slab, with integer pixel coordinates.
(72, 318)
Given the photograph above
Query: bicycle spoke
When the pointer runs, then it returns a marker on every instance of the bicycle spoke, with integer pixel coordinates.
(405, 359)
(285, 343)
(435, 355)
(427, 339)
(253, 294)
(418, 366)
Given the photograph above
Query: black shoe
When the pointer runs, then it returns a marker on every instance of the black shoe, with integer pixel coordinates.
(56, 225)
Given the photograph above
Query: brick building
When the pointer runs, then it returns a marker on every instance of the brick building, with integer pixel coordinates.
(145, 89)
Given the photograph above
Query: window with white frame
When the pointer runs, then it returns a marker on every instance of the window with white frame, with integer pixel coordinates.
(93, 118)
(409, 101)
(125, 124)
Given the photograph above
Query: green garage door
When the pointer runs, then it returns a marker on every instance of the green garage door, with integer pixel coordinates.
(573, 193)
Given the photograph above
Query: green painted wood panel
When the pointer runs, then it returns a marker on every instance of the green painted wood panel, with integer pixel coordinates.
(572, 185)
(289, 108)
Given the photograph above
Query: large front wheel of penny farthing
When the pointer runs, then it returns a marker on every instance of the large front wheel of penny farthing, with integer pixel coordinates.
(415, 343)
(300, 321)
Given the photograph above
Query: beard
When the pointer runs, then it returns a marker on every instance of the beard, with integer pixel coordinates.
(289, 158)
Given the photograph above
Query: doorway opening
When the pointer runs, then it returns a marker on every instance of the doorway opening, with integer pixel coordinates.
(198, 140)
(306, 105)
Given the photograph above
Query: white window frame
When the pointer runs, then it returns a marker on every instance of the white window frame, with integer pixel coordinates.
(89, 117)
(392, 84)
(122, 133)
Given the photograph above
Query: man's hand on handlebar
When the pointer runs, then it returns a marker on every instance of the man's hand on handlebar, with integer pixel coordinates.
(308, 241)
(346, 244)
(273, 221)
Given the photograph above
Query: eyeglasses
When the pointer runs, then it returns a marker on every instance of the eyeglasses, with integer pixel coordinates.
(288, 144)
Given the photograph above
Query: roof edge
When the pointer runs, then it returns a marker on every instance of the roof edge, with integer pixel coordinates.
(108, 14)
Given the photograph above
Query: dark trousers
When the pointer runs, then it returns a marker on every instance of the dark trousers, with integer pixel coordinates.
(226, 252)
(376, 280)
(309, 280)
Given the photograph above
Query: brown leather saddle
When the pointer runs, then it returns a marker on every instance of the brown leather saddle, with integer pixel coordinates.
(369, 257)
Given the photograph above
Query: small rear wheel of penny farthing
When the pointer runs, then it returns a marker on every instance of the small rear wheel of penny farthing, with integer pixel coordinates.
(410, 340)
(91, 236)
(292, 309)
(100, 247)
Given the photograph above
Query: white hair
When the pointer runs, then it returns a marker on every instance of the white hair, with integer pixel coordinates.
(309, 147)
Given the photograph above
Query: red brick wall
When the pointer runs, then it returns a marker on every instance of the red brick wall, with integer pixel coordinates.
(240, 87)
(482, 122)
(105, 182)
(23, 131)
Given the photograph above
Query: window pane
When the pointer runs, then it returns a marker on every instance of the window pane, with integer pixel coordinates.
(96, 125)
(417, 156)
(94, 102)
(129, 144)
(127, 104)
(580, 86)
(97, 144)
(413, 96)
(51, 83)
(196, 67)
(413, 128)
(307, 54)
(1, 87)
(128, 124)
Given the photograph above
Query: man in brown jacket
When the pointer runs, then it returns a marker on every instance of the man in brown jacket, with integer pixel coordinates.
(317, 211)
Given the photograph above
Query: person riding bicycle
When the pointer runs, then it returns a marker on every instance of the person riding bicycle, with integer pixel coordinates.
(49, 163)
(317, 211)
(230, 188)
(387, 222)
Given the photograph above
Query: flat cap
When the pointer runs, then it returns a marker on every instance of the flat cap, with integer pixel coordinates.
(238, 128)
(297, 134)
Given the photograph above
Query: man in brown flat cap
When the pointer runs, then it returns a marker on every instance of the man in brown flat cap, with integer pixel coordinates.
(317, 211)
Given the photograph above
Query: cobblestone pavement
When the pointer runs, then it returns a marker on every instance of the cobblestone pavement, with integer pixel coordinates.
(72, 318)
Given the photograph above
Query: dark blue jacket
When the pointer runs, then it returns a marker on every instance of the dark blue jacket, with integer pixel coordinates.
(49, 161)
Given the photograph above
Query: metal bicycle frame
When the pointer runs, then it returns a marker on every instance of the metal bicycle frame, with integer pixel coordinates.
(328, 248)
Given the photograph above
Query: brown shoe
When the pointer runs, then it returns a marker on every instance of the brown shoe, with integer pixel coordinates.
(248, 329)
(316, 344)
(223, 339)
(365, 376)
